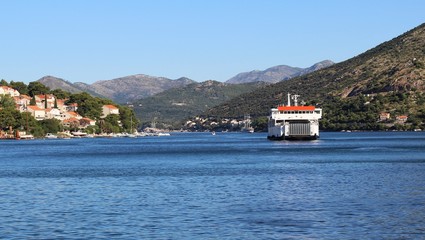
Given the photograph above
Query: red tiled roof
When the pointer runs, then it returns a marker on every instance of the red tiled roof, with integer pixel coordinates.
(110, 106)
(71, 120)
(73, 114)
(35, 108)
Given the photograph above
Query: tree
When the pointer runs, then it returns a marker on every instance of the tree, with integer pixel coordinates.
(4, 83)
(45, 101)
(260, 124)
(32, 101)
(21, 87)
(128, 119)
(88, 106)
(35, 88)
(9, 119)
(110, 124)
(60, 94)
(7, 102)
(50, 125)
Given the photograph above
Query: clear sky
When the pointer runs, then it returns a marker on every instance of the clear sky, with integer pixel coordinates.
(91, 40)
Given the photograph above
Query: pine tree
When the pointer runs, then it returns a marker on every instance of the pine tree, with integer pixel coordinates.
(32, 101)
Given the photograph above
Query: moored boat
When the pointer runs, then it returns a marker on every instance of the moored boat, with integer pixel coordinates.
(50, 136)
(297, 122)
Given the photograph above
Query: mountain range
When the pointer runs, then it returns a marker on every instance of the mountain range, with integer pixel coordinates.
(277, 73)
(134, 87)
(120, 90)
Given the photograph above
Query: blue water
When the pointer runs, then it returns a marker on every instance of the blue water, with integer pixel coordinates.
(227, 186)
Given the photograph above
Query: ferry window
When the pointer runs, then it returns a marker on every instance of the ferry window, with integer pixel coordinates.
(281, 112)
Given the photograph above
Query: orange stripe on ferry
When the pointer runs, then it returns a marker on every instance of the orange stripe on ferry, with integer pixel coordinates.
(296, 108)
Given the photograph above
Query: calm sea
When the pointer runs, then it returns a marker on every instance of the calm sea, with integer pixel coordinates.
(228, 186)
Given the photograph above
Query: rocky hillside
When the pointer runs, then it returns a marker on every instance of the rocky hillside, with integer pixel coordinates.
(59, 83)
(277, 73)
(392, 70)
(120, 90)
(136, 87)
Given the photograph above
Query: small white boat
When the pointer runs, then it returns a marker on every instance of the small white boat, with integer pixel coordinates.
(50, 136)
(163, 134)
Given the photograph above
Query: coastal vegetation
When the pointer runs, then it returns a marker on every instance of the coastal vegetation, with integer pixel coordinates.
(15, 116)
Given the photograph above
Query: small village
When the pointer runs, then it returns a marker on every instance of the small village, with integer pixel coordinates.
(47, 106)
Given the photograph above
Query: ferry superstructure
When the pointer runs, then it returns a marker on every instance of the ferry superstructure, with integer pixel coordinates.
(294, 121)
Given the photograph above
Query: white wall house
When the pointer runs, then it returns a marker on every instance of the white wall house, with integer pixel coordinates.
(41, 99)
(73, 115)
(36, 112)
(4, 90)
(53, 113)
(109, 109)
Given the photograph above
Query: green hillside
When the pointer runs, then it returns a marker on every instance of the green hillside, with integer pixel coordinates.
(388, 78)
(171, 106)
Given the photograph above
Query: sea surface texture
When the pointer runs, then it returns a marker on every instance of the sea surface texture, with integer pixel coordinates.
(364, 185)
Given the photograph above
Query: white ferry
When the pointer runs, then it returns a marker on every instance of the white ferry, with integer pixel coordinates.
(294, 121)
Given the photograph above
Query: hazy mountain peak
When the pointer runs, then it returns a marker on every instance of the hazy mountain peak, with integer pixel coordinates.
(276, 74)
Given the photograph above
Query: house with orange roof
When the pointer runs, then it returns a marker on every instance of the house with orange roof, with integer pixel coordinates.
(73, 115)
(54, 113)
(5, 90)
(383, 116)
(72, 107)
(401, 119)
(71, 122)
(37, 112)
(86, 122)
(61, 104)
(22, 101)
(109, 109)
(41, 98)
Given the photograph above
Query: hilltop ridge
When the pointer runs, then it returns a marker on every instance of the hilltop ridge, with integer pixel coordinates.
(277, 73)
(121, 90)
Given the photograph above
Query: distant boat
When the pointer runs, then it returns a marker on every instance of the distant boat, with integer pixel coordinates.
(79, 134)
(27, 136)
(50, 136)
(248, 130)
(163, 134)
(247, 125)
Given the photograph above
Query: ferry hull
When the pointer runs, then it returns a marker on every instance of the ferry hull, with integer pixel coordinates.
(278, 133)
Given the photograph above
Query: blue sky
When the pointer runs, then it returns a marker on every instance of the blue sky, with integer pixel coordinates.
(91, 40)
